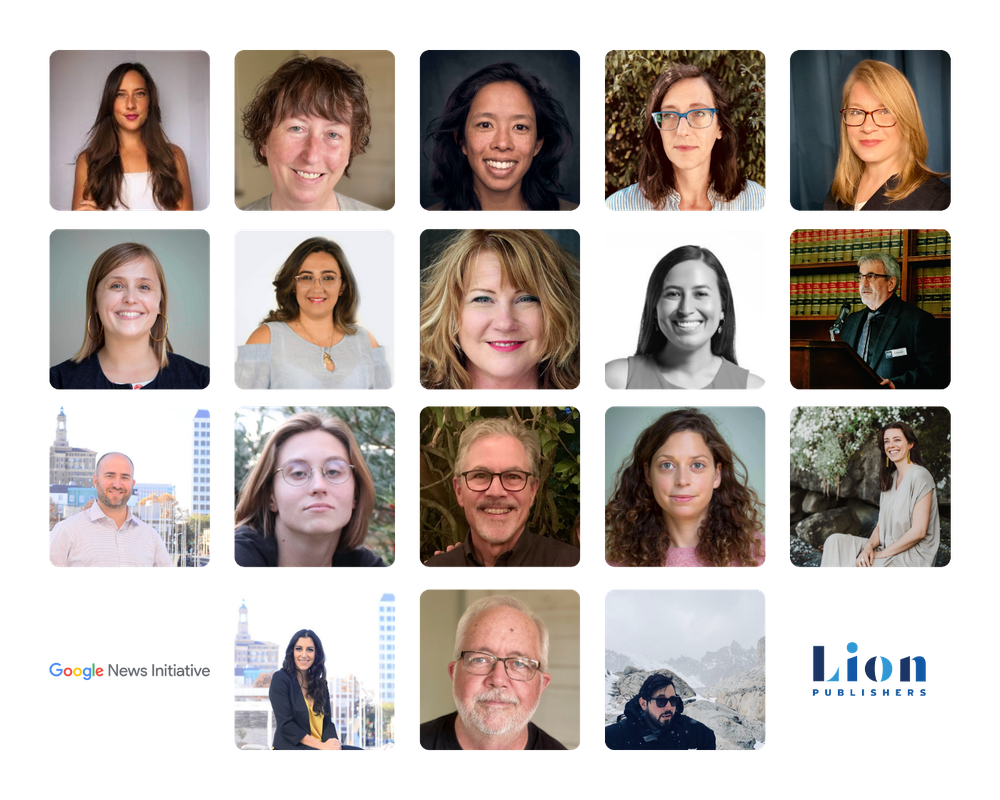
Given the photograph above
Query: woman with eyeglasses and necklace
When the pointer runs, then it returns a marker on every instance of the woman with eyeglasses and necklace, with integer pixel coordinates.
(688, 157)
(883, 147)
(308, 499)
(312, 340)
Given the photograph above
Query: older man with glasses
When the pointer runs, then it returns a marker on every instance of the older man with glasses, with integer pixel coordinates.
(498, 676)
(897, 340)
(495, 482)
(653, 720)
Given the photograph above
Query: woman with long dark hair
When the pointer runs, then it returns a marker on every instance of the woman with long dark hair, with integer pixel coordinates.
(128, 164)
(683, 499)
(908, 533)
(300, 698)
(687, 334)
(498, 144)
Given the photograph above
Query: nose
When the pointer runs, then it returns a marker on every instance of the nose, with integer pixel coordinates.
(501, 139)
(681, 476)
(317, 483)
(130, 295)
(498, 677)
(684, 305)
(868, 126)
(311, 149)
(130, 101)
(505, 318)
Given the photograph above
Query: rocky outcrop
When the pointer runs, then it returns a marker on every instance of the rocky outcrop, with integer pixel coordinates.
(867, 514)
(631, 681)
(818, 527)
(795, 504)
(814, 502)
(732, 730)
(743, 693)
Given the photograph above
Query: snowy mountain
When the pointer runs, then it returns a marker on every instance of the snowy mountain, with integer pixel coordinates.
(711, 669)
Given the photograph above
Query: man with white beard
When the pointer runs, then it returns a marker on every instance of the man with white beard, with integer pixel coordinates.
(495, 482)
(498, 676)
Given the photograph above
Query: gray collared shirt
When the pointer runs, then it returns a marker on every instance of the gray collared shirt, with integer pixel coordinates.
(531, 550)
(91, 539)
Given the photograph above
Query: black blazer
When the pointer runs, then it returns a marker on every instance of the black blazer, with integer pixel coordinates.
(932, 195)
(907, 349)
(291, 714)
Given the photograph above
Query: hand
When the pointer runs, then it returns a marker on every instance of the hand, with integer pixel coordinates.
(866, 558)
(448, 549)
(331, 744)
(890, 383)
(86, 205)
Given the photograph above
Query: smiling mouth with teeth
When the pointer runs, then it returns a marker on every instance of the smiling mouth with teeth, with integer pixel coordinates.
(307, 175)
(497, 511)
(500, 164)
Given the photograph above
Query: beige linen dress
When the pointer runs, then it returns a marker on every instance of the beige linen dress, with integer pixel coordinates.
(895, 518)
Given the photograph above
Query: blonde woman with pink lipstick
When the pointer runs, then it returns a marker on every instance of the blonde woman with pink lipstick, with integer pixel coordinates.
(125, 345)
(883, 147)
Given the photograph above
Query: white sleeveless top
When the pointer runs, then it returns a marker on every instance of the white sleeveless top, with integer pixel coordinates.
(138, 193)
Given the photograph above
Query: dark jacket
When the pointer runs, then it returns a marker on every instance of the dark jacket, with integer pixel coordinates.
(631, 732)
(180, 373)
(439, 734)
(291, 714)
(932, 195)
(253, 550)
(906, 349)
(530, 550)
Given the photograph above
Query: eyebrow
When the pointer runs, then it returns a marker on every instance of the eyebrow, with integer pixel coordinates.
(678, 286)
(494, 116)
(123, 474)
(505, 469)
(322, 272)
(123, 278)
(702, 457)
(692, 105)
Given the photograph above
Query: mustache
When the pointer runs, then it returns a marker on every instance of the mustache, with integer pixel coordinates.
(497, 695)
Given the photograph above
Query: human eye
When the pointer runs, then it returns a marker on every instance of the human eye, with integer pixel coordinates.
(527, 298)
(295, 128)
(481, 299)
(146, 287)
(666, 465)
(698, 464)
(297, 470)
(699, 113)
(334, 469)
(668, 116)
(522, 128)
(116, 286)
(477, 658)
(334, 135)
(671, 293)
(702, 293)
(329, 280)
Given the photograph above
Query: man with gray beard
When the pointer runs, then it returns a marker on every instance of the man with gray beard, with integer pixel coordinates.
(498, 676)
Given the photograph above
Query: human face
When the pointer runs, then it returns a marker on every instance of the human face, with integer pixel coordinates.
(690, 148)
(306, 156)
(304, 653)
(500, 140)
(131, 102)
(128, 300)
(317, 507)
(897, 448)
(113, 481)
(683, 476)
(496, 515)
(501, 330)
(320, 287)
(876, 291)
(877, 147)
(690, 307)
(659, 717)
(493, 704)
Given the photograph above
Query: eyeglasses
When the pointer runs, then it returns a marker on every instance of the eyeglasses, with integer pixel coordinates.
(869, 276)
(661, 702)
(297, 473)
(855, 117)
(324, 280)
(696, 117)
(479, 480)
(517, 668)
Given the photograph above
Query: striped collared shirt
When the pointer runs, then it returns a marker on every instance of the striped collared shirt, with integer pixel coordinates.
(632, 199)
(91, 539)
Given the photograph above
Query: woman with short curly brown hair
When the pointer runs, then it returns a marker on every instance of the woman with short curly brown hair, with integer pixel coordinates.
(682, 499)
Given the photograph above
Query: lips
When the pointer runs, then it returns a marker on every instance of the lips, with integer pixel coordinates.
(682, 498)
(319, 507)
(317, 299)
(505, 347)
(495, 511)
(308, 176)
(685, 148)
(499, 169)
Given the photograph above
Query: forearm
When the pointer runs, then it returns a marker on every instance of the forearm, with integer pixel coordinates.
(904, 542)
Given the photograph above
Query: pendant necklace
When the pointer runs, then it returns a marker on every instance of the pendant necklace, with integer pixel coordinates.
(327, 360)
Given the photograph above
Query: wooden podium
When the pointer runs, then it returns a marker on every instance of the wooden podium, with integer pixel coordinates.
(817, 364)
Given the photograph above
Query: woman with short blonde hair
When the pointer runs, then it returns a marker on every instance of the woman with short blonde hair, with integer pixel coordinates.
(501, 307)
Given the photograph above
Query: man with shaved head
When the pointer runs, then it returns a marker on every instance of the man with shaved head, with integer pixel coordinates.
(107, 534)
(497, 677)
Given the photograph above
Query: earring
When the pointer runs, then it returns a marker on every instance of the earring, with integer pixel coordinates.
(887, 459)
(167, 322)
(907, 456)
(100, 332)
(722, 324)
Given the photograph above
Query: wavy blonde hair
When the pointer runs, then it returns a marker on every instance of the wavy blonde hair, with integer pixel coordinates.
(635, 529)
(254, 506)
(892, 89)
(529, 261)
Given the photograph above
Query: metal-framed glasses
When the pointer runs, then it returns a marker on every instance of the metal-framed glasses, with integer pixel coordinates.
(517, 667)
(855, 117)
(298, 473)
(696, 118)
(479, 480)
(307, 279)
(869, 276)
(661, 702)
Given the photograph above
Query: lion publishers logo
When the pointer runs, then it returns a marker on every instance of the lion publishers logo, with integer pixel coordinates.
(879, 671)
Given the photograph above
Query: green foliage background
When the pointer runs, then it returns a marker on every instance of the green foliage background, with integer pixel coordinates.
(629, 79)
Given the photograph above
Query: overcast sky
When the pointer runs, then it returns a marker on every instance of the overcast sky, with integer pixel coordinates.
(670, 624)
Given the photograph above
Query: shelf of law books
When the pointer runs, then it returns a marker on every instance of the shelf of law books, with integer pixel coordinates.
(823, 268)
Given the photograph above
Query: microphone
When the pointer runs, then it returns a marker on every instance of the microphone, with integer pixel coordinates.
(838, 323)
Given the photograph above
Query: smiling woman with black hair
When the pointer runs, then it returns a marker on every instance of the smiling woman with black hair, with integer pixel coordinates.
(128, 164)
(300, 698)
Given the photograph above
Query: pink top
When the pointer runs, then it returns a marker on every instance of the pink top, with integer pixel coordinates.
(688, 557)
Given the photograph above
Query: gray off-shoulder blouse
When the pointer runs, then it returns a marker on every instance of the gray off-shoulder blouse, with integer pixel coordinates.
(290, 362)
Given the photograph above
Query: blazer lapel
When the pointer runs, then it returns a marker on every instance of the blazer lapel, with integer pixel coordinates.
(877, 350)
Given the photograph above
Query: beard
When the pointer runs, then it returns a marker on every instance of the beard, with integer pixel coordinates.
(106, 500)
(491, 721)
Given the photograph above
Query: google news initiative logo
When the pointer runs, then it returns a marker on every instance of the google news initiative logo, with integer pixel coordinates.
(877, 669)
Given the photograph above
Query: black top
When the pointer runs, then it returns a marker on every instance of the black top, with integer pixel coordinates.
(180, 373)
(531, 550)
(932, 195)
(291, 714)
(253, 550)
(631, 732)
(439, 734)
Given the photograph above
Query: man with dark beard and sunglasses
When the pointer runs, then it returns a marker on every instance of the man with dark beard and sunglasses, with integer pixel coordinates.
(653, 720)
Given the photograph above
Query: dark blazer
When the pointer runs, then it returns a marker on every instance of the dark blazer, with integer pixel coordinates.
(923, 364)
(932, 195)
(291, 714)
(180, 373)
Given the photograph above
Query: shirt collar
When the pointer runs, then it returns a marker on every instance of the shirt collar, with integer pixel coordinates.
(96, 513)
(510, 558)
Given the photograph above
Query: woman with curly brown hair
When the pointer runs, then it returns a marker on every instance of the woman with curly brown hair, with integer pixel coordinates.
(682, 499)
